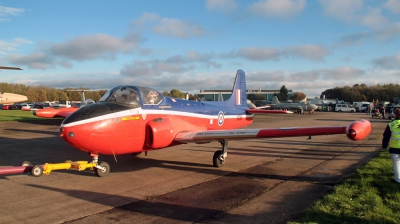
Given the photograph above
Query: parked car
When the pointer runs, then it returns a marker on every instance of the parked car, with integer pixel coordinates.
(27, 107)
(10, 107)
(345, 108)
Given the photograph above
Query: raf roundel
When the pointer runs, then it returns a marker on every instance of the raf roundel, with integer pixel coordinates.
(220, 118)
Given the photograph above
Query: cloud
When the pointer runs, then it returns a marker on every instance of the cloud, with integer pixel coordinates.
(81, 48)
(374, 18)
(95, 46)
(7, 11)
(254, 53)
(13, 45)
(384, 34)
(342, 9)
(171, 65)
(388, 62)
(393, 6)
(225, 6)
(35, 60)
(170, 27)
(177, 28)
(145, 18)
(279, 9)
(353, 11)
(310, 52)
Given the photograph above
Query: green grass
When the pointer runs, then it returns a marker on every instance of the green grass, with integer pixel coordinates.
(18, 115)
(368, 196)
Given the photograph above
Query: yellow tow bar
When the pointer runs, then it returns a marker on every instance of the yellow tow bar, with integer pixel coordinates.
(102, 168)
(79, 165)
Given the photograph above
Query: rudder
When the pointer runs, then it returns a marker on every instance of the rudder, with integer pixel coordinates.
(238, 97)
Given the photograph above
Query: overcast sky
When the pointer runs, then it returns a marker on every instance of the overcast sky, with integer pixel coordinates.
(308, 46)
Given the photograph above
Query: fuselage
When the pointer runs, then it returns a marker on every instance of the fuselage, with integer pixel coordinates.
(114, 126)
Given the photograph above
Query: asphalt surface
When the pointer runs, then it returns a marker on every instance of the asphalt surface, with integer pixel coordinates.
(263, 181)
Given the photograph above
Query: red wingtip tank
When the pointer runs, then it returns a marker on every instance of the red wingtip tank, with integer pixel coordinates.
(358, 130)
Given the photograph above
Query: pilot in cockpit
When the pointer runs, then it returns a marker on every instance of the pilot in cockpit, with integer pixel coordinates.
(134, 96)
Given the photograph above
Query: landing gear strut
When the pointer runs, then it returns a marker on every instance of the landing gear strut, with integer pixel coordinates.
(220, 155)
(101, 168)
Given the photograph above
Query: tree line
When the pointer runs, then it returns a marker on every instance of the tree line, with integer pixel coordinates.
(387, 92)
(43, 93)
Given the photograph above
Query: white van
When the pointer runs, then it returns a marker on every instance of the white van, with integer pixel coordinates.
(345, 108)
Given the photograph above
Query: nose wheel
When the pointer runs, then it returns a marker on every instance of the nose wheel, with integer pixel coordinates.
(102, 169)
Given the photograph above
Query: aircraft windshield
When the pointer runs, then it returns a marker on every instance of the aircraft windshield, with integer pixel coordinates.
(132, 96)
(122, 95)
(150, 96)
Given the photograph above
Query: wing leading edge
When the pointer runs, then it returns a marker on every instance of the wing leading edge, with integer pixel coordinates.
(356, 131)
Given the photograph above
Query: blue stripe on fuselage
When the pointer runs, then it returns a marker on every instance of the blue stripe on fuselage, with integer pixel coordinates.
(190, 106)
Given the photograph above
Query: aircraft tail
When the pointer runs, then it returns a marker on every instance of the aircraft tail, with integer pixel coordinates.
(238, 97)
(275, 100)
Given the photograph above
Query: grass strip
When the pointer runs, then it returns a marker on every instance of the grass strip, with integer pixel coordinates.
(18, 115)
(369, 196)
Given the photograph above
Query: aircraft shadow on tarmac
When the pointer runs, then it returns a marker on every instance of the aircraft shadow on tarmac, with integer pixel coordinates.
(204, 201)
(55, 121)
(55, 134)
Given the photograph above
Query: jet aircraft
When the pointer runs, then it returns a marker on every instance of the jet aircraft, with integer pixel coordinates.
(131, 119)
(9, 98)
(64, 112)
(298, 107)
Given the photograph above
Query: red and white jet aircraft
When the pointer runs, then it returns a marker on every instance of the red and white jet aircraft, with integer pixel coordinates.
(132, 119)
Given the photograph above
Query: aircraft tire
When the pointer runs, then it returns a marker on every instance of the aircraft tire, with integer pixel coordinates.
(25, 163)
(101, 173)
(216, 161)
(37, 171)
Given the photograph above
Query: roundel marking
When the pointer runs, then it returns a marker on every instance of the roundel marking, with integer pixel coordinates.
(220, 118)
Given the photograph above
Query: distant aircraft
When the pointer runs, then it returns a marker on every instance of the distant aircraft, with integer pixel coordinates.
(64, 112)
(298, 107)
(9, 98)
(148, 120)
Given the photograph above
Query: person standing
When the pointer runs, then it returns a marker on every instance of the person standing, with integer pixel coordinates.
(369, 109)
(391, 139)
(383, 112)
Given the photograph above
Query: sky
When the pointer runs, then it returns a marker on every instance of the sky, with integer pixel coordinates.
(308, 46)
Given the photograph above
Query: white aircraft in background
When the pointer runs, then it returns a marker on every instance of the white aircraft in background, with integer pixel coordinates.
(10, 98)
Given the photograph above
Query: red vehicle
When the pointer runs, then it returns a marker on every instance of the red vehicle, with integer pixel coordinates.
(9, 107)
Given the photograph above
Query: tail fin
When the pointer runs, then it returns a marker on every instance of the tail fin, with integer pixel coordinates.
(275, 100)
(238, 97)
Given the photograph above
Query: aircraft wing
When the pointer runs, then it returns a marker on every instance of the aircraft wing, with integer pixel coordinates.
(10, 68)
(356, 130)
(52, 112)
(260, 111)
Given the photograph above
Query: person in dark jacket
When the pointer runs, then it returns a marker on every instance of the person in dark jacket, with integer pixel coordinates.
(391, 139)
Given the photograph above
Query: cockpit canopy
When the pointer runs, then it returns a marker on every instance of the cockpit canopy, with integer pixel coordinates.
(133, 96)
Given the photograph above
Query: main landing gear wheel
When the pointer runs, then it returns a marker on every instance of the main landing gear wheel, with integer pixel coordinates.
(104, 170)
(25, 163)
(220, 155)
(218, 159)
(37, 171)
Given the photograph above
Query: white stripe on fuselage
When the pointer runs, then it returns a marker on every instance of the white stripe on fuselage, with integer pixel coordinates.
(140, 111)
